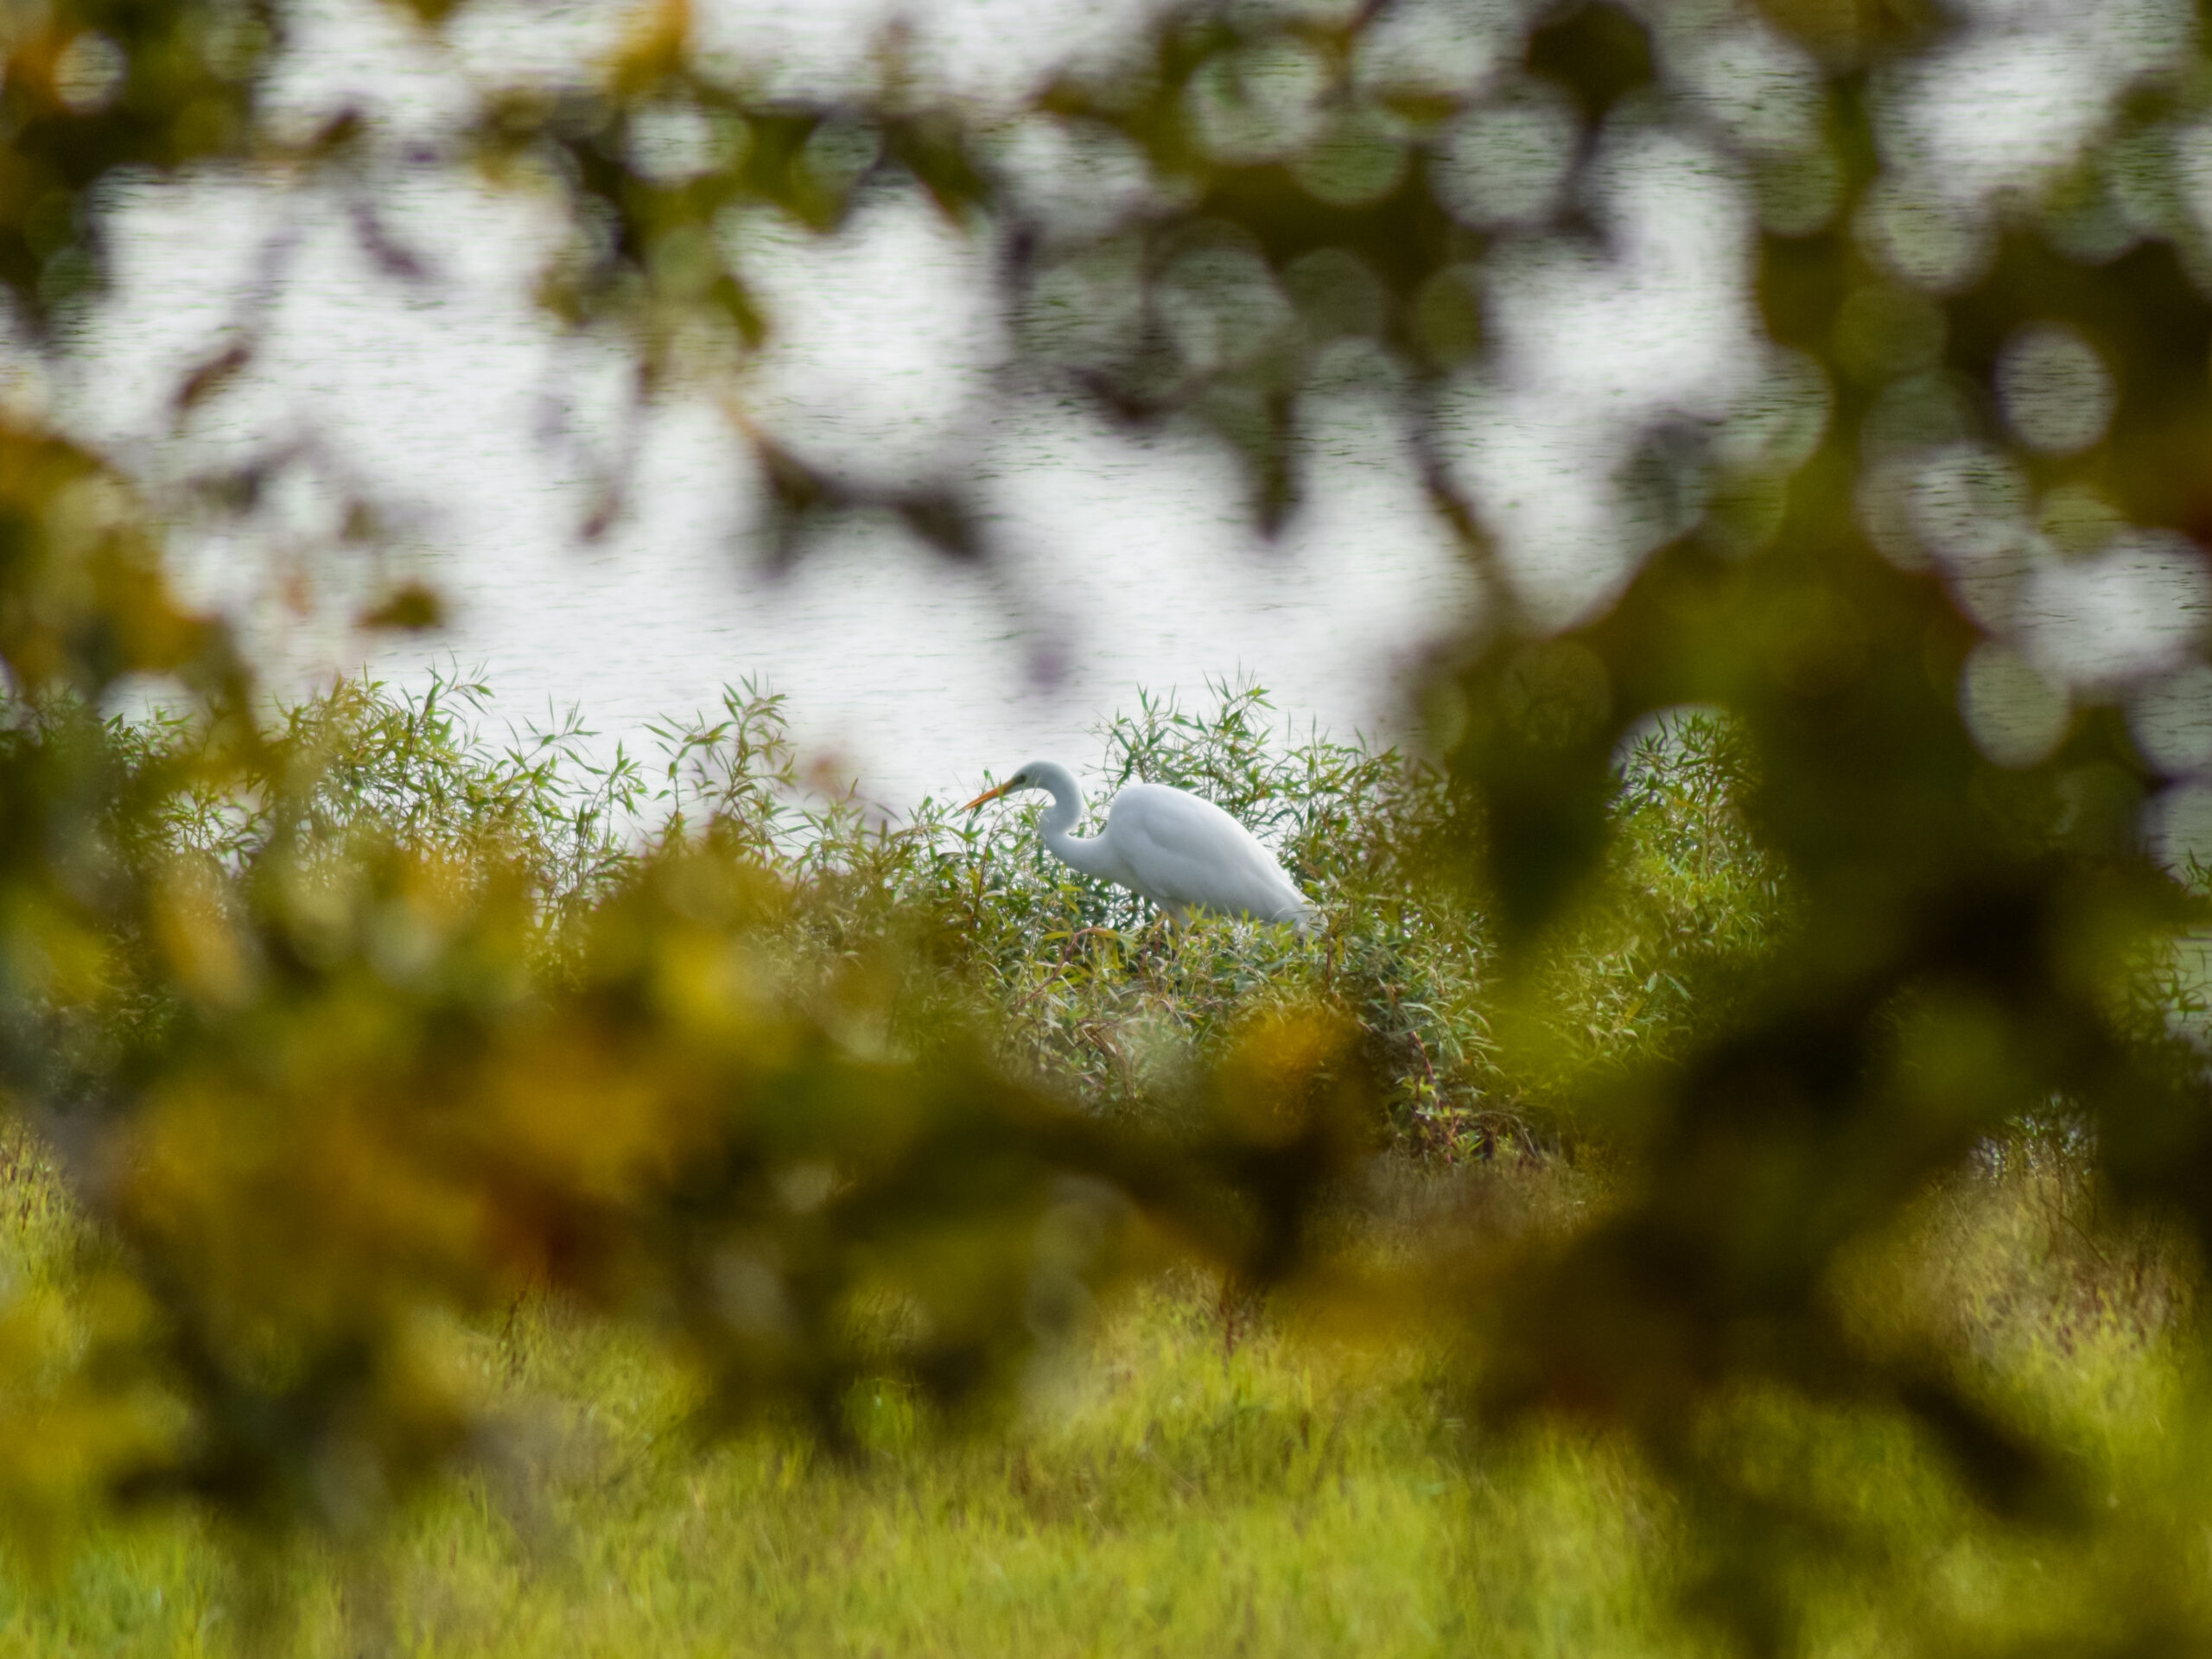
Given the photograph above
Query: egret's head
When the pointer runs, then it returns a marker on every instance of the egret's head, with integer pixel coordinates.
(1020, 779)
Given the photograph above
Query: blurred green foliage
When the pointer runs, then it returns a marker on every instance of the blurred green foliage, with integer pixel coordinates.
(1297, 1495)
(397, 1025)
(347, 1026)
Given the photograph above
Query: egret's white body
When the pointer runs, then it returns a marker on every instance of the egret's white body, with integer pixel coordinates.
(1166, 845)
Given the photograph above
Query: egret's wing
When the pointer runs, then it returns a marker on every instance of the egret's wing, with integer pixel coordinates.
(1180, 849)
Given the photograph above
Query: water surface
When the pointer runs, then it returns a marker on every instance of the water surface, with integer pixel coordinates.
(1125, 561)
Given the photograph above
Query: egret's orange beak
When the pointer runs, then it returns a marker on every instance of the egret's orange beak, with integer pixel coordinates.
(987, 795)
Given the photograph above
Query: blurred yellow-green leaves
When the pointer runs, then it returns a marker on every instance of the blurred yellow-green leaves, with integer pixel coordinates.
(1840, 841)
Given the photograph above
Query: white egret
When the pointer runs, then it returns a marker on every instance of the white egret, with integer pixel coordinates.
(1166, 845)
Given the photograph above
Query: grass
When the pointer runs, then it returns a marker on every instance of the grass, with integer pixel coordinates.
(1182, 1473)
(1161, 1490)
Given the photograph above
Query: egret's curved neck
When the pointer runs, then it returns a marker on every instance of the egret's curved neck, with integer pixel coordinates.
(1065, 813)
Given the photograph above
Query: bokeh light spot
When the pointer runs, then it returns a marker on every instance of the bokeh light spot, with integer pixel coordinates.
(2016, 717)
(2171, 720)
(1507, 162)
(2057, 393)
